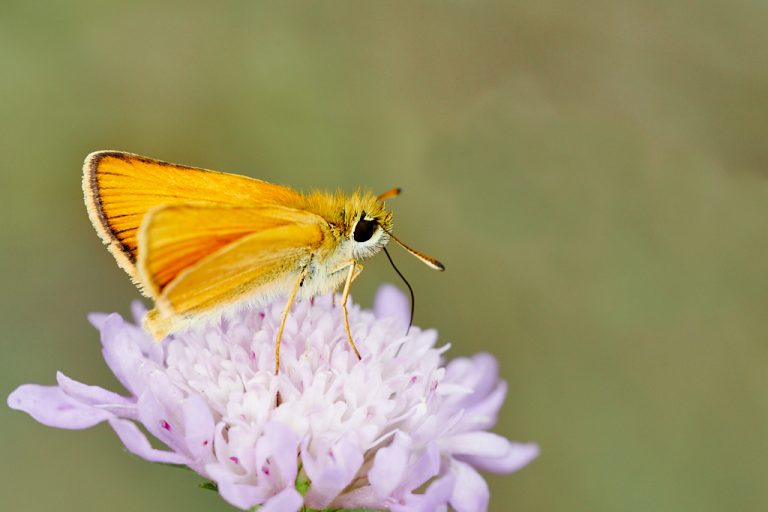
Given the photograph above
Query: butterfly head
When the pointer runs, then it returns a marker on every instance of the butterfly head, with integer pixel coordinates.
(368, 226)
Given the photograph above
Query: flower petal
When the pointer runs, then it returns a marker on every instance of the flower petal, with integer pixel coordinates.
(162, 419)
(97, 319)
(436, 497)
(91, 395)
(483, 413)
(362, 497)
(390, 302)
(482, 444)
(52, 407)
(479, 373)
(470, 494)
(485, 374)
(516, 457)
(121, 353)
(136, 442)
(277, 448)
(438, 493)
(288, 500)
(241, 496)
(389, 466)
(199, 427)
(138, 310)
(425, 467)
(331, 471)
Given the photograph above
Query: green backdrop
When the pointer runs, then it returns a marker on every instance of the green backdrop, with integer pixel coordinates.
(593, 174)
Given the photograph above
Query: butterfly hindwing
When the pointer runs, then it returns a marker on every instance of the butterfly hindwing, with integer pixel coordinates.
(249, 267)
(174, 238)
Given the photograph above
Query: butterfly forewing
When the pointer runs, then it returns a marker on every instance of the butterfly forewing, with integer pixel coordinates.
(121, 188)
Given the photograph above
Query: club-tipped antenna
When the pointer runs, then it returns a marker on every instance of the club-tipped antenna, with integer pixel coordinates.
(428, 260)
(389, 193)
(413, 296)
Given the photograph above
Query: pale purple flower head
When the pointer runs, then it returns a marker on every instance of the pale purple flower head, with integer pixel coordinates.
(396, 431)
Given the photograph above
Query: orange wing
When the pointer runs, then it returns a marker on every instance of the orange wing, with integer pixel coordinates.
(121, 188)
(253, 266)
(173, 238)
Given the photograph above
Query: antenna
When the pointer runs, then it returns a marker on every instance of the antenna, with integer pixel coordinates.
(428, 260)
(389, 193)
(413, 297)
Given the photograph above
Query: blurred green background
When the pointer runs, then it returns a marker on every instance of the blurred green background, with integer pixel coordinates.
(593, 174)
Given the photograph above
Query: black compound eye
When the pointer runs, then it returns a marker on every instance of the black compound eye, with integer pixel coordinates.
(364, 230)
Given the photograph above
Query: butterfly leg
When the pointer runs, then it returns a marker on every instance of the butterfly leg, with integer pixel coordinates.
(354, 270)
(351, 263)
(288, 305)
(358, 270)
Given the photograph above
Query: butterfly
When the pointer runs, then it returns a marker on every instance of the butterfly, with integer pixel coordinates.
(198, 242)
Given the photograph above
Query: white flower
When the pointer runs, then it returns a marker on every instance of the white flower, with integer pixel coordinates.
(395, 431)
